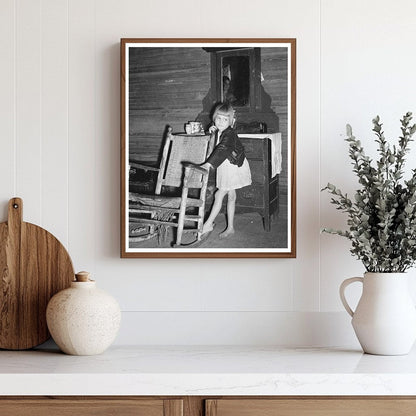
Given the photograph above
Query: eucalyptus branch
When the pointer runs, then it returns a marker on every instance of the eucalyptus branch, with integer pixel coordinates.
(382, 214)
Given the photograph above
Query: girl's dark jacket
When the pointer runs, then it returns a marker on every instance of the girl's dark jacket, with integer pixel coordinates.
(230, 147)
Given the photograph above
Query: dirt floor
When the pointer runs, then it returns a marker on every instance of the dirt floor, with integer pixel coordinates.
(249, 233)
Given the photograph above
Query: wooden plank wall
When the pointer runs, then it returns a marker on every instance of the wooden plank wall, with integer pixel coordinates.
(167, 86)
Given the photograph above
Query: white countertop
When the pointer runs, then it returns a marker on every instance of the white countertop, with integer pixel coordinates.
(192, 370)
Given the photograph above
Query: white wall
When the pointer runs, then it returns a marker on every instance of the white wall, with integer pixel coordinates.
(59, 151)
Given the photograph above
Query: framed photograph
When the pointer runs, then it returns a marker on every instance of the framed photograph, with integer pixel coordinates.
(208, 132)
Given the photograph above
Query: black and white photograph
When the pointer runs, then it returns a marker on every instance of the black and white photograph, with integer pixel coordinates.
(208, 161)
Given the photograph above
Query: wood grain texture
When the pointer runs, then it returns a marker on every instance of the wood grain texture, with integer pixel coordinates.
(34, 266)
(211, 407)
(173, 407)
(84, 407)
(327, 406)
(193, 406)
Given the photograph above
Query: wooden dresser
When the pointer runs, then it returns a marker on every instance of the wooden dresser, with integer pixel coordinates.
(262, 195)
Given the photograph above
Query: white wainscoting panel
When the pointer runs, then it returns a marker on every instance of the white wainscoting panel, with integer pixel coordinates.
(59, 151)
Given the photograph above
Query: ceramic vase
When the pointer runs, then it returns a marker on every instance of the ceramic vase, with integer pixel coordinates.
(83, 320)
(385, 318)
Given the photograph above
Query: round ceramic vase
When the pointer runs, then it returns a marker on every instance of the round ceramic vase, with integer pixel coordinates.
(83, 320)
(385, 318)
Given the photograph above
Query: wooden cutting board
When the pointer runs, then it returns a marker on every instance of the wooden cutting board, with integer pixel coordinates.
(34, 266)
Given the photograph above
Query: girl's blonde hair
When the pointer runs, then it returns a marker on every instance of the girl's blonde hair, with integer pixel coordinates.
(224, 109)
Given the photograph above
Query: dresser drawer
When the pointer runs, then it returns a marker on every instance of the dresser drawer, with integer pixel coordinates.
(254, 148)
(86, 406)
(327, 406)
(258, 171)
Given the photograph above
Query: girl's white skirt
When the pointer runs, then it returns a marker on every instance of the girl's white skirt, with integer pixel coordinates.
(231, 176)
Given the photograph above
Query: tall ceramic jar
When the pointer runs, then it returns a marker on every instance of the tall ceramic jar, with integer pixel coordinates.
(83, 320)
(385, 318)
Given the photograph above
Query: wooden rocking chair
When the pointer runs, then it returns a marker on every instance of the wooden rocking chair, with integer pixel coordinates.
(179, 198)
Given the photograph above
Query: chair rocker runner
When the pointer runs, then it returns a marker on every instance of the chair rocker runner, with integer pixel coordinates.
(179, 198)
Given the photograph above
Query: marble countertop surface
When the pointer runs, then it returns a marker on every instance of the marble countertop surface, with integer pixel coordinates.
(209, 370)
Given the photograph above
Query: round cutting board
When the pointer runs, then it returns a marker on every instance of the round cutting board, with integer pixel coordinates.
(34, 266)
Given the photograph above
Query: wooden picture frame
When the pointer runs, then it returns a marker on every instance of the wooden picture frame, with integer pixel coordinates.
(169, 88)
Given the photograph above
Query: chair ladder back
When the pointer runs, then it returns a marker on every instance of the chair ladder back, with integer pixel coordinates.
(183, 149)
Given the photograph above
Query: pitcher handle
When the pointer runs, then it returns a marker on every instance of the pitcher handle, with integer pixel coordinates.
(342, 288)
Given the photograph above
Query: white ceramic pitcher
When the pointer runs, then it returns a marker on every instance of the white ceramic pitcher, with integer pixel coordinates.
(385, 318)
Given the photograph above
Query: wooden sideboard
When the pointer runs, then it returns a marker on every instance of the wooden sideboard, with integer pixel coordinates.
(207, 381)
(206, 406)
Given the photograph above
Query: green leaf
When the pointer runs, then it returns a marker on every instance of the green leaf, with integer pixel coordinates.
(381, 217)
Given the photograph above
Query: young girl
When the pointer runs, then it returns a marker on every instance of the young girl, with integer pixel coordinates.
(233, 171)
